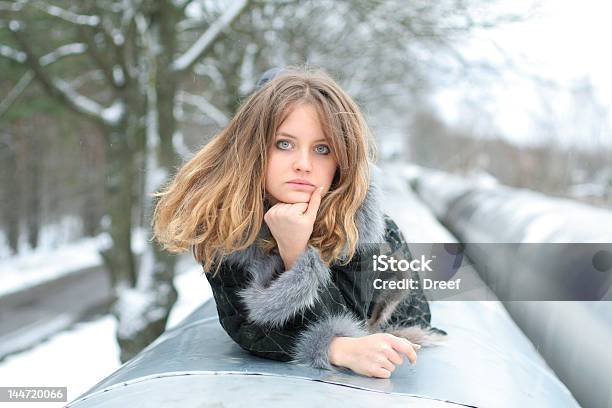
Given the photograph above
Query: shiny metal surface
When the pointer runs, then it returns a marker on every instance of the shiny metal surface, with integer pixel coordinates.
(228, 390)
(573, 336)
(487, 362)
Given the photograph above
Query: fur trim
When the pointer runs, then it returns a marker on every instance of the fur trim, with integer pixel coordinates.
(422, 336)
(312, 345)
(369, 218)
(292, 292)
(273, 301)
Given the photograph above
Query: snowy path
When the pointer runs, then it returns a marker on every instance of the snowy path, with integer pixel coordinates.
(43, 265)
(32, 314)
(80, 357)
(47, 290)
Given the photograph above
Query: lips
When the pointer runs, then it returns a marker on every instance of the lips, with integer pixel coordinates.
(301, 181)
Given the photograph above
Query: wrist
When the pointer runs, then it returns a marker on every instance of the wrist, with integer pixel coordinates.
(289, 257)
(339, 351)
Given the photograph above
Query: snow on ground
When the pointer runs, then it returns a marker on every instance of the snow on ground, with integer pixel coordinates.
(417, 221)
(76, 358)
(81, 357)
(22, 271)
(45, 264)
(193, 290)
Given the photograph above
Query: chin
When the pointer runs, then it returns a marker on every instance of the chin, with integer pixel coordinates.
(295, 197)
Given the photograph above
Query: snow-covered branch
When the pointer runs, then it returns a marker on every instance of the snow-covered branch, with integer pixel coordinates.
(207, 39)
(12, 53)
(47, 59)
(112, 72)
(188, 24)
(87, 77)
(181, 3)
(61, 89)
(205, 107)
(17, 90)
(11, 5)
(211, 71)
(61, 52)
(111, 115)
(67, 15)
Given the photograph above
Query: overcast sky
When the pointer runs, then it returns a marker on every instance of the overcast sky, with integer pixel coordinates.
(566, 41)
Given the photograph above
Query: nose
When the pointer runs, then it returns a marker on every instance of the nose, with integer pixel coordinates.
(303, 161)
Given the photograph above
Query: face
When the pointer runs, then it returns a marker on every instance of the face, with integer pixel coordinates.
(300, 151)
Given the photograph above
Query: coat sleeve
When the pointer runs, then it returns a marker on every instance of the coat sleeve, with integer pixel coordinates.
(414, 310)
(291, 317)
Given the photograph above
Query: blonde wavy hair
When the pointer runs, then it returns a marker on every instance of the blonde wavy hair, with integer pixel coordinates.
(215, 203)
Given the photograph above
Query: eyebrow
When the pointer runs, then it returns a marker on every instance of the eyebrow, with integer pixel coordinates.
(293, 137)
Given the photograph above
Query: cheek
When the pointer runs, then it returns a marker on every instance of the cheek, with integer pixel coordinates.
(275, 167)
(330, 170)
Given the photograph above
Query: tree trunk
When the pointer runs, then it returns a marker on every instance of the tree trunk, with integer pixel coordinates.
(33, 206)
(118, 257)
(157, 267)
(152, 297)
(144, 291)
(10, 191)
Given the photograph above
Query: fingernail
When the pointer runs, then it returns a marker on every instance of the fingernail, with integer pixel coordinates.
(417, 346)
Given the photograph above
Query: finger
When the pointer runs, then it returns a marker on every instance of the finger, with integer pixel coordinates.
(404, 346)
(381, 373)
(285, 210)
(394, 356)
(415, 346)
(273, 209)
(268, 215)
(387, 365)
(299, 208)
(280, 207)
(315, 201)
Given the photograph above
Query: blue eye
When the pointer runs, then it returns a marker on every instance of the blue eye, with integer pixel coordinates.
(326, 151)
(281, 141)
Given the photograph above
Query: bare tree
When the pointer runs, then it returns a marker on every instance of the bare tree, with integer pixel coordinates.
(132, 50)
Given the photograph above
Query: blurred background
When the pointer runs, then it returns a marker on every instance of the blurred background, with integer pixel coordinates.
(102, 100)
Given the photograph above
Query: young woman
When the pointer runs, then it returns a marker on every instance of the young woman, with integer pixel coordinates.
(281, 210)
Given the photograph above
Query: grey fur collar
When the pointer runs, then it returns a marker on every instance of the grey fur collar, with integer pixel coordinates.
(274, 301)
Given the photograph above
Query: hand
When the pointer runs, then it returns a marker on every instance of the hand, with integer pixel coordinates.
(292, 225)
(375, 355)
